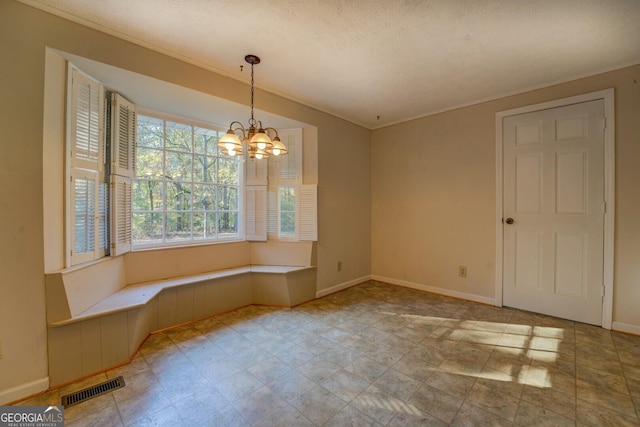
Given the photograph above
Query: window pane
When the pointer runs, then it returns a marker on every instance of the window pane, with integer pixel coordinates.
(204, 197)
(287, 211)
(178, 137)
(178, 166)
(204, 169)
(228, 198)
(149, 132)
(228, 170)
(147, 195)
(227, 224)
(205, 141)
(204, 225)
(147, 228)
(178, 196)
(287, 198)
(178, 226)
(149, 163)
(287, 224)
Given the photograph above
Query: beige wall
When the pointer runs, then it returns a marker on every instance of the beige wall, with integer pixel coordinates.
(343, 184)
(22, 304)
(434, 202)
(434, 195)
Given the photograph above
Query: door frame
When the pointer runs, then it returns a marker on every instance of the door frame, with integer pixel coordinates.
(607, 95)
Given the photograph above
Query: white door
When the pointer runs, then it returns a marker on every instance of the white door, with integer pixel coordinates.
(553, 202)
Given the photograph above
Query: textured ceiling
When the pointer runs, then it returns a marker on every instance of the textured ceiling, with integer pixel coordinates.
(396, 59)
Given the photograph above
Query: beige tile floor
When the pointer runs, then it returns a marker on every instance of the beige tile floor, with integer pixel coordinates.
(373, 355)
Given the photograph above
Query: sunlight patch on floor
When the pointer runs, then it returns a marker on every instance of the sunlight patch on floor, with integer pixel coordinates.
(533, 376)
(545, 331)
(536, 376)
(542, 356)
(389, 404)
(544, 343)
(538, 343)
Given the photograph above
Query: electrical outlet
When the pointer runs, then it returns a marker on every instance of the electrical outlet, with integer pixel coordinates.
(339, 266)
(462, 271)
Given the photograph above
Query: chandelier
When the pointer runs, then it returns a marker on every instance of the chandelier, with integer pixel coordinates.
(255, 140)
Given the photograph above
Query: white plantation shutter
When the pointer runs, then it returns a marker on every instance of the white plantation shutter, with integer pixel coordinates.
(121, 215)
(255, 171)
(83, 216)
(103, 218)
(86, 119)
(255, 199)
(255, 224)
(272, 197)
(272, 210)
(87, 193)
(308, 212)
(286, 171)
(290, 165)
(82, 202)
(123, 138)
(123, 122)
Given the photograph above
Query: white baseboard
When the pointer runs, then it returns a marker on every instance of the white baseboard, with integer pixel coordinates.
(341, 286)
(625, 327)
(435, 290)
(23, 391)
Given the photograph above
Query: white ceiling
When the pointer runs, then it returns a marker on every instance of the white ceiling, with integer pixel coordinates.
(396, 59)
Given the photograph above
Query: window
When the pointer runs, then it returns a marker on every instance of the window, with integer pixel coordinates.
(291, 206)
(184, 190)
(152, 180)
(286, 211)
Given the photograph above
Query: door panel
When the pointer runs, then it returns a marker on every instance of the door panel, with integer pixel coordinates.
(554, 190)
(528, 258)
(528, 184)
(572, 183)
(571, 260)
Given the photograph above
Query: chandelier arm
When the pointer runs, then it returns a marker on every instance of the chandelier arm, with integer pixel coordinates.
(270, 128)
(240, 127)
(236, 122)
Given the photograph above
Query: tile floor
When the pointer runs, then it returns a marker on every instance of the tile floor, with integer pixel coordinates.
(373, 355)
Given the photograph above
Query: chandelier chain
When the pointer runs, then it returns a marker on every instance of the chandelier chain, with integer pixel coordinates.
(252, 121)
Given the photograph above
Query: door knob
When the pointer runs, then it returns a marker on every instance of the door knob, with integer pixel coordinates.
(509, 221)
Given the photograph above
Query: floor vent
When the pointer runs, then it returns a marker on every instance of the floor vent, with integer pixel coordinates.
(91, 392)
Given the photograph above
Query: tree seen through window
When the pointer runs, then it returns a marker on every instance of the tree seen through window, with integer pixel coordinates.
(185, 189)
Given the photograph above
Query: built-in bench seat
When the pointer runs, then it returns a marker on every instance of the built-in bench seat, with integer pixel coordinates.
(97, 320)
(139, 294)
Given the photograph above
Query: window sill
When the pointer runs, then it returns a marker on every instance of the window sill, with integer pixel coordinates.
(160, 247)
